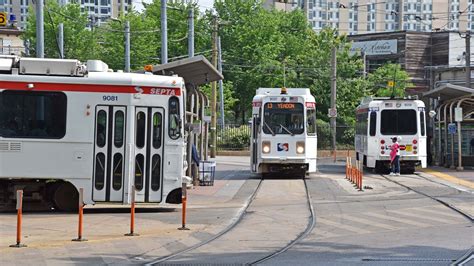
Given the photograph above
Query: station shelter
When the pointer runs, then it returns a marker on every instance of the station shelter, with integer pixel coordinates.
(452, 120)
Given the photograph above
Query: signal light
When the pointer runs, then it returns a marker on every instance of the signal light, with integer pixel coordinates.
(148, 68)
(382, 147)
(382, 152)
(415, 147)
(415, 141)
(283, 90)
(415, 152)
(382, 142)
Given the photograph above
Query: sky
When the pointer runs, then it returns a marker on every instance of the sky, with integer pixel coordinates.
(204, 4)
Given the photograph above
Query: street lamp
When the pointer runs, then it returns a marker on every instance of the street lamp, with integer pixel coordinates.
(127, 42)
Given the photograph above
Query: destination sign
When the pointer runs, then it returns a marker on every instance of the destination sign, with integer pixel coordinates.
(280, 106)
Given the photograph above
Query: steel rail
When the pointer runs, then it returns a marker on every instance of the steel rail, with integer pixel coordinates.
(301, 236)
(240, 215)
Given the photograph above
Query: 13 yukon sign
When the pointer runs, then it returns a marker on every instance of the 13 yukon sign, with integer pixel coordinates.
(380, 47)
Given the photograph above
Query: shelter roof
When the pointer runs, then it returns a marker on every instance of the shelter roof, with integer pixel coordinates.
(196, 70)
(449, 91)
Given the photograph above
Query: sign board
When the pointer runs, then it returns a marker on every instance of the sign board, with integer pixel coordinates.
(380, 47)
(332, 112)
(391, 83)
(458, 114)
(452, 128)
(3, 18)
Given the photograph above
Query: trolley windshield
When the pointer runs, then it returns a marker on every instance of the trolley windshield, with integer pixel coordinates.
(283, 118)
(398, 122)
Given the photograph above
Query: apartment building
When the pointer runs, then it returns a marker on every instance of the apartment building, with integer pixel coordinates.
(371, 16)
(98, 10)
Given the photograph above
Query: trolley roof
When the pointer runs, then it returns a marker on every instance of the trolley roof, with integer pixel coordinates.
(265, 92)
(18, 72)
(387, 102)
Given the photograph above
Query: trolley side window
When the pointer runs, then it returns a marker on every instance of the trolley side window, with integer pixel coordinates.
(422, 123)
(373, 123)
(361, 125)
(174, 122)
(398, 122)
(311, 121)
(283, 118)
(31, 114)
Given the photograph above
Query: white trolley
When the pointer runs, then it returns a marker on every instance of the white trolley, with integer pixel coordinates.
(283, 131)
(65, 125)
(381, 119)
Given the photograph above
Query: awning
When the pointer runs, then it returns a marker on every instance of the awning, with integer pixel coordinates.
(449, 91)
(196, 70)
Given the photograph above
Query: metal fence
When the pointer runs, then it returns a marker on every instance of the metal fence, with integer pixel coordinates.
(344, 137)
(236, 137)
(233, 137)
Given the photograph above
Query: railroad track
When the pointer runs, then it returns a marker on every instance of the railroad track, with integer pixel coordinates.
(310, 225)
(468, 255)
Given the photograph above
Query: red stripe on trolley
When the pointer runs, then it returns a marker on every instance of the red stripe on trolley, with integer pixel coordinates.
(41, 86)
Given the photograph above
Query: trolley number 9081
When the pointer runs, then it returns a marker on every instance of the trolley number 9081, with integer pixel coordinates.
(109, 98)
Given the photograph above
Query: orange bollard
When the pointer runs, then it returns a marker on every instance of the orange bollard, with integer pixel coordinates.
(81, 216)
(361, 175)
(132, 215)
(184, 197)
(19, 219)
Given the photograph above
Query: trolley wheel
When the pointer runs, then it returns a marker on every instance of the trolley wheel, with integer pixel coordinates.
(65, 197)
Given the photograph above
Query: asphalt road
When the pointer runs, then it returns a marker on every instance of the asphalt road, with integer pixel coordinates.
(386, 224)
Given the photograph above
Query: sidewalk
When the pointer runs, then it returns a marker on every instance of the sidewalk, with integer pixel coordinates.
(464, 178)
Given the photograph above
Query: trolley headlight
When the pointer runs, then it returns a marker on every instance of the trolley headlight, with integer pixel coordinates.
(266, 147)
(300, 147)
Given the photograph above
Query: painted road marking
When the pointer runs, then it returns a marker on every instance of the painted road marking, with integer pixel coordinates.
(395, 219)
(370, 222)
(439, 220)
(343, 226)
(449, 178)
(442, 211)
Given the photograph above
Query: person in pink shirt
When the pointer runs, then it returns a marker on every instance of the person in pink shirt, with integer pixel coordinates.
(395, 157)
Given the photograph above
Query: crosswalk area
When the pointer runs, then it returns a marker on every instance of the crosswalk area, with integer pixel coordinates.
(369, 222)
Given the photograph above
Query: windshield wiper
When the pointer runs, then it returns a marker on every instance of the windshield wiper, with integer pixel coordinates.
(269, 128)
(287, 130)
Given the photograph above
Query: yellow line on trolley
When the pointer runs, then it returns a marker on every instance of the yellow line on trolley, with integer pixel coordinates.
(449, 178)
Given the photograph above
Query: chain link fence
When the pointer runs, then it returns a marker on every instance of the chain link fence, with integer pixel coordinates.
(236, 137)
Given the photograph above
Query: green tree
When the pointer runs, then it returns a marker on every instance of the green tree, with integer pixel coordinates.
(378, 81)
(79, 42)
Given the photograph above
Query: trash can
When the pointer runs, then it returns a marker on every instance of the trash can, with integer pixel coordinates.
(207, 170)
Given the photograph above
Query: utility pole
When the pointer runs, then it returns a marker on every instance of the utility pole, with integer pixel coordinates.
(221, 87)
(333, 99)
(164, 34)
(39, 29)
(191, 32)
(61, 40)
(127, 46)
(213, 90)
(122, 7)
(364, 58)
(468, 59)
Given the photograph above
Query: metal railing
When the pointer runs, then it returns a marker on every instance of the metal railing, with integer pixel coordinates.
(12, 50)
(235, 137)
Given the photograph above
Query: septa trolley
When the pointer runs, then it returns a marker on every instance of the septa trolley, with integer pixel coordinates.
(283, 131)
(65, 125)
(379, 120)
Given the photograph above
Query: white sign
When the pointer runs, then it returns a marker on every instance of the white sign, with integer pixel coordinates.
(380, 47)
(332, 112)
(458, 114)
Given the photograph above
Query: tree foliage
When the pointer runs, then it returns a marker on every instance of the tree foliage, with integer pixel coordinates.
(261, 48)
(378, 81)
(79, 42)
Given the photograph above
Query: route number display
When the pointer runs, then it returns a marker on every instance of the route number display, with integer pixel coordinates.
(3, 18)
